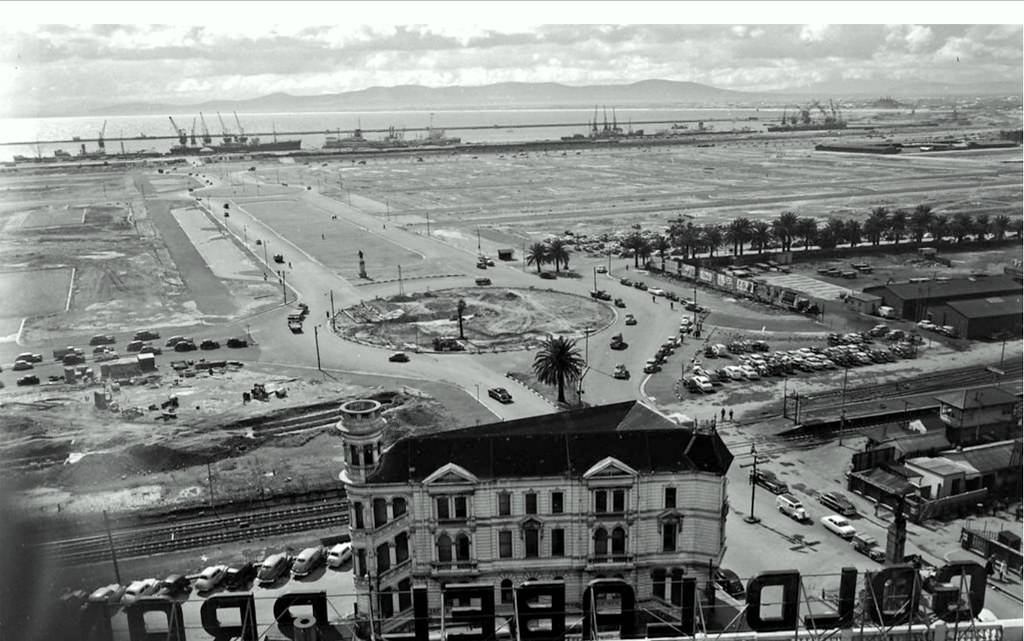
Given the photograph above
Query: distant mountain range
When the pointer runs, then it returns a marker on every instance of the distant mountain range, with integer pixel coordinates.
(645, 93)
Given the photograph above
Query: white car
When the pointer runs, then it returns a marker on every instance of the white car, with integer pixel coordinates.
(704, 383)
(601, 269)
(656, 291)
(209, 578)
(926, 324)
(749, 372)
(838, 525)
(734, 372)
(138, 589)
(338, 554)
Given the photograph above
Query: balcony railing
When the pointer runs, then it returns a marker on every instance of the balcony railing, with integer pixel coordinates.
(454, 567)
(607, 560)
(390, 573)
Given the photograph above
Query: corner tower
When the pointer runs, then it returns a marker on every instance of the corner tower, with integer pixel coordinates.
(362, 428)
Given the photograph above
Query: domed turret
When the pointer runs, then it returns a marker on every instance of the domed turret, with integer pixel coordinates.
(362, 428)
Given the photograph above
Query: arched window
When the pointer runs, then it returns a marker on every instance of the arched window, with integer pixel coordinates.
(600, 542)
(618, 541)
(462, 548)
(444, 549)
(506, 591)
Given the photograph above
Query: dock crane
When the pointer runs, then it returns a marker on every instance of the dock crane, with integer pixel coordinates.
(194, 133)
(206, 132)
(179, 132)
(241, 132)
(225, 136)
(99, 141)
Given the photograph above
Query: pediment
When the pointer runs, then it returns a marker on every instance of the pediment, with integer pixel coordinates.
(450, 473)
(609, 467)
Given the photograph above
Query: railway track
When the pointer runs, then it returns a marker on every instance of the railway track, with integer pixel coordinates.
(151, 539)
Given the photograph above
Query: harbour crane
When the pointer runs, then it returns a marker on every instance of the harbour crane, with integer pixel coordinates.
(194, 133)
(100, 142)
(206, 132)
(241, 132)
(179, 132)
(225, 136)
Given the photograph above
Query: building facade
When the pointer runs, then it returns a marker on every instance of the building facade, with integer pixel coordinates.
(912, 300)
(609, 491)
(979, 415)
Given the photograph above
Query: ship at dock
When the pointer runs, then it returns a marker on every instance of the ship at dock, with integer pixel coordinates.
(801, 119)
(231, 143)
(355, 141)
(607, 132)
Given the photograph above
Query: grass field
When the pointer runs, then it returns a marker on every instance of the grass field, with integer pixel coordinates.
(53, 216)
(34, 292)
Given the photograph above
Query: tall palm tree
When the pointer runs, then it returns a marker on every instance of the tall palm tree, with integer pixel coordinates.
(981, 226)
(921, 217)
(643, 251)
(632, 242)
(737, 232)
(854, 232)
(832, 234)
(961, 226)
(876, 224)
(713, 238)
(784, 227)
(761, 235)
(898, 225)
(461, 307)
(807, 229)
(686, 237)
(661, 245)
(558, 253)
(1000, 225)
(938, 227)
(537, 254)
(558, 361)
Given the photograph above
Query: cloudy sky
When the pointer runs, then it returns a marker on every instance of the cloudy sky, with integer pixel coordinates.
(204, 51)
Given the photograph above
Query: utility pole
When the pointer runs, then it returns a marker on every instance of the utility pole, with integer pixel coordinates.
(209, 479)
(753, 487)
(595, 279)
(332, 310)
(401, 291)
(478, 250)
(842, 406)
(428, 223)
(316, 341)
(113, 554)
(284, 288)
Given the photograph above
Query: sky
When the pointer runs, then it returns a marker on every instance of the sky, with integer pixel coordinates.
(66, 57)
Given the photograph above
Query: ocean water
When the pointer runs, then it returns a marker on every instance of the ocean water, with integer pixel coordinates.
(482, 125)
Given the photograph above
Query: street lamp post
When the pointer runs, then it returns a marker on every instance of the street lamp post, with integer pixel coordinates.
(753, 487)
(842, 406)
(316, 341)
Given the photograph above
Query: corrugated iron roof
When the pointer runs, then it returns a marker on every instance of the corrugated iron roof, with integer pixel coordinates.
(988, 307)
(978, 398)
(943, 466)
(985, 286)
(990, 457)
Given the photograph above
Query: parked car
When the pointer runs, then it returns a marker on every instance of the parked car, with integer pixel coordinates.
(106, 355)
(868, 546)
(630, 319)
(837, 502)
(139, 589)
(656, 291)
(74, 359)
(339, 554)
(500, 394)
(791, 507)
(175, 584)
(399, 357)
(730, 582)
(151, 349)
(210, 578)
(308, 560)
(838, 525)
(146, 335)
(237, 342)
(626, 281)
(185, 346)
(770, 482)
(209, 344)
(20, 365)
(620, 372)
(482, 282)
(30, 357)
(652, 366)
(174, 340)
(619, 302)
(273, 567)
(102, 339)
(109, 594)
(239, 577)
(30, 379)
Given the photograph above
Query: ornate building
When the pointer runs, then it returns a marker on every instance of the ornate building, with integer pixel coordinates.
(611, 491)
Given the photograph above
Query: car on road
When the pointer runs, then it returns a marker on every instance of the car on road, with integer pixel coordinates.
(240, 577)
(626, 281)
(838, 502)
(210, 578)
(656, 291)
(20, 365)
(791, 507)
(339, 554)
(730, 582)
(236, 342)
(601, 269)
(185, 346)
(642, 286)
(106, 355)
(770, 482)
(209, 344)
(139, 589)
(399, 357)
(620, 372)
(30, 379)
(927, 324)
(619, 302)
(483, 282)
(868, 546)
(839, 525)
(173, 340)
(102, 339)
(651, 366)
(500, 394)
(273, 567)
(175, 584)
(308, 560)
(630, 319)
(108, 594)
(30, 357)
(134, 346)
(145, 335)
(151, 349)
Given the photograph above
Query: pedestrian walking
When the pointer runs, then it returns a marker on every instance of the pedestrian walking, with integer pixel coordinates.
(289, 264)
(1001, 565)
(730, 416)
(653, 299)
(322, 237)
(723, 413)
(671, 305)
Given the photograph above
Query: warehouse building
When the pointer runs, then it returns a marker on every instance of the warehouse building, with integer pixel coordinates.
(992, 317)
(912, 300)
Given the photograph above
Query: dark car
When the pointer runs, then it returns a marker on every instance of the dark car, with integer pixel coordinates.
(619, 302)
(273, 567)
(209, 344)
(151, 349)
(146, 335)
(236, 342)
(399, 357)
(626, 281)
(770, 482)
(239, 577)
(73, 359)
(837, 502)
(30, 379)
(175, 584)
(483, 281)
(102, 339)
(500, 394)
(640, 285)
(547, 276)
(184, 346)
(730, 582)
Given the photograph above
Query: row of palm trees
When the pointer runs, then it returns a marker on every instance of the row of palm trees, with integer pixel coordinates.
(554, 251)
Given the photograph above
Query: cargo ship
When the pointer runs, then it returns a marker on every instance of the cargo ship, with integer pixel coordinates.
(800, 120)
(337, 141)
(231, 143)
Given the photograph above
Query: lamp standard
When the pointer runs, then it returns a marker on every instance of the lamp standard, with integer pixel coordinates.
(753, 487)
(316, 341)
(842, 406)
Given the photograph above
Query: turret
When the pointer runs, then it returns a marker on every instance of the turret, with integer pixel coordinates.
(362, 428)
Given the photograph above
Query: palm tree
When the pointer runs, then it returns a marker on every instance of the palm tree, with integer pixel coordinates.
(661, 245)
(961, 226)
(938, 227)
(558, 253)
(876, 225)
(737, 232)
(461, 307)
(807, 229)
(981, 225)
(686, 237)
(919, 221)
(537, 254)
(761, 235)
(558, 361)
(1000, 224)
(713, 238)
(898, 225)
(832, 234)
(854, 232)
(633, 242)
(643, 252)
(784, 227)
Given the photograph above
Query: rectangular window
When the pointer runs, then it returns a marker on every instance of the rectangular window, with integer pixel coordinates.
(505, 544)
(460, 507)
(401, 547)
(619, 501)
(380, 512)
(557, 542)
(504, 504)
(670, 497)
(531, 503)
(658, 581)
(557, 506)
(442, 508)
(668, 537)
(353, 454)
(367, 455)
(360, 562)
(398, 506)
(600, 501)
(357, 512)
(532, 543)
(383, 557)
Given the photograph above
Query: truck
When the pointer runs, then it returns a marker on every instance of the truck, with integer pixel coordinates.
(295, 323)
